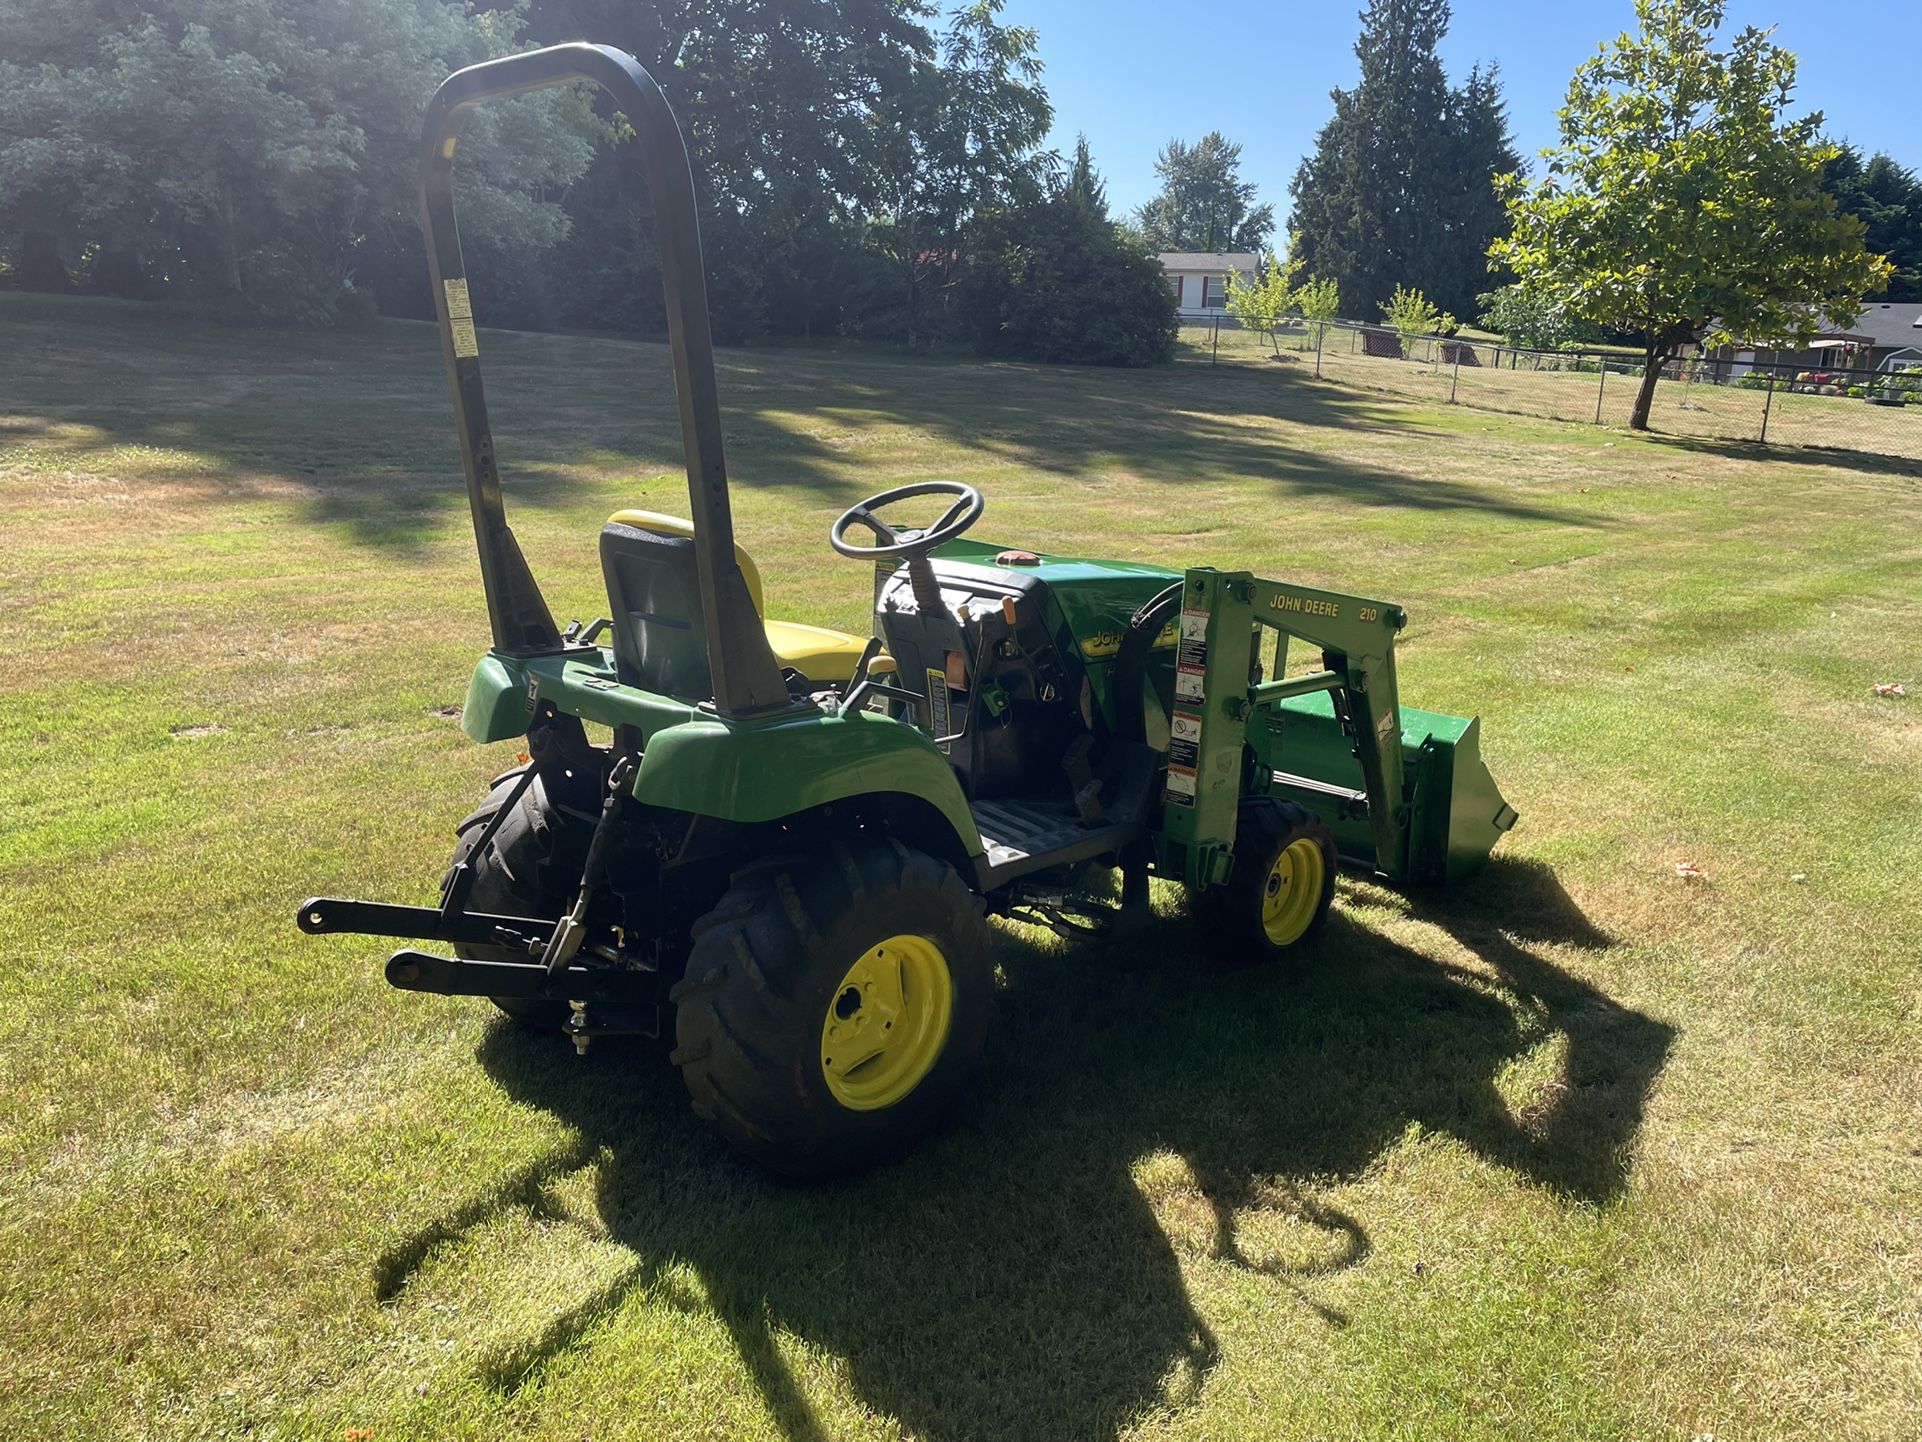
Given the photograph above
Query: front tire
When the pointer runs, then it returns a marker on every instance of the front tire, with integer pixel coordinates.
(1277, 897)
(833, 1005)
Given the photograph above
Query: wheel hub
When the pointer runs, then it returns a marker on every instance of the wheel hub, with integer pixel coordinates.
(887, 1024)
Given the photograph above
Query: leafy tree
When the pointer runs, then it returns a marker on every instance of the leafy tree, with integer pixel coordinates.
(1401, 183)
(961, 141)
(777, 100)
(1318, 302)
(1887, 198)
(1260, 304)
(1204, 204)
(257, 154)
(1056, 280)
(1413, 315)
(1530, 319)
(1682, 204)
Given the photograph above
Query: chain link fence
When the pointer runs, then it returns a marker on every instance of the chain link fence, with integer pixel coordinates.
(1875, 412)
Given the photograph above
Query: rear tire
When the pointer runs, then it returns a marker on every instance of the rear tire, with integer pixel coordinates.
(516, 876)
(1278, 896)
(875, 951)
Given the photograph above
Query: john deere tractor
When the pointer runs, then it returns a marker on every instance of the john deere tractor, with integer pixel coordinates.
(785, 856)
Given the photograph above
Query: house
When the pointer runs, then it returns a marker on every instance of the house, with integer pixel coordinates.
(1887, 335)
(1198, 278)
(1894, 329)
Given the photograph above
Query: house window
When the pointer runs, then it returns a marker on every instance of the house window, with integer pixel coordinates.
(1179, 298)
(1212, 296)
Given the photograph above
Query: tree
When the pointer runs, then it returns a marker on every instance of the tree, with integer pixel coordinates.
(1529, 319)
(1084, 187)
(1204, 204)
(1401, 184)
(1682, 205)
(961, 141)
(1887, 198)
(777, 100)
(1318, 302)
(1260, 304)
(1413, 315)
(1055, 280)
(258, 154)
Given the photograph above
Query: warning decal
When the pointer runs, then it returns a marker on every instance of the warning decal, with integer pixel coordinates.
(460, 319)
(1181, 785)
(1184, 740)
(1191, 661)
(1194, 639)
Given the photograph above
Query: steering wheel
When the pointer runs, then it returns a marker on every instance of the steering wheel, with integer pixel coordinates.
(907, 542)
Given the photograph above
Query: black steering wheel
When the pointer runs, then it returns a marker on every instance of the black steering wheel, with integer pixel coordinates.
(891, 543)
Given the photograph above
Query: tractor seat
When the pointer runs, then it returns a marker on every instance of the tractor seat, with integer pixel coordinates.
(818, 653)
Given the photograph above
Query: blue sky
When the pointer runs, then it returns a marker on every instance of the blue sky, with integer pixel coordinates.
(1130, 74)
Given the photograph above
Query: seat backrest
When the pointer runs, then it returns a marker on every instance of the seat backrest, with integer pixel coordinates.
(654, 593)
(665, 525)
(660, 632)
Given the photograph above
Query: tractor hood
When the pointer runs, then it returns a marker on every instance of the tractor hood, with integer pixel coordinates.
(1096, 598)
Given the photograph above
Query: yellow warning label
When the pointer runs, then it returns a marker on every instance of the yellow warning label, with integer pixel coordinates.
(460, 318)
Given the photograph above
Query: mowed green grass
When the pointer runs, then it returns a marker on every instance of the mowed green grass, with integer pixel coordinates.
(1579, 1149)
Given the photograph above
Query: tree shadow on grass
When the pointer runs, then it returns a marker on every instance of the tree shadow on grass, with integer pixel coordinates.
(1876, 462)
(358, 424)
(1020, 1274)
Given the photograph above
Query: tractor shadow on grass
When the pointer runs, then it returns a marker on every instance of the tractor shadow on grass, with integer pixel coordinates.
(1021, 1273)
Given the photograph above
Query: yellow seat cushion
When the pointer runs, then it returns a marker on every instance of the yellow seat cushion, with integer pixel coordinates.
(818, 653)
(815, 651)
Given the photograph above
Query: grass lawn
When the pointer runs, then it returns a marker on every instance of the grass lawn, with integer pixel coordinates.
(1697, 410)
(1580, 1149)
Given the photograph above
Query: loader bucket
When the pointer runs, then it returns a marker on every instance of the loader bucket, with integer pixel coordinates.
(1456, 812)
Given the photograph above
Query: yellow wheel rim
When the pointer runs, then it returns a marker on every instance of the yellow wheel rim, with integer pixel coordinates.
(886, 1023)
(1291, 895)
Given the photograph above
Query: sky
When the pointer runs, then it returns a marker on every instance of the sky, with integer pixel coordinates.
(1130, 74)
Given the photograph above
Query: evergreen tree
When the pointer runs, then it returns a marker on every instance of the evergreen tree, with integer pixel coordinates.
(1084, 187)
(1887, 198)
(1400, 188)
(1204, 204)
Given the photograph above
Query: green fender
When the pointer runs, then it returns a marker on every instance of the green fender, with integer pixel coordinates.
(748, 769)
(763, 770)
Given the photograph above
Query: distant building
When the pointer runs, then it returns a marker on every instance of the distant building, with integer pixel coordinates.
(1198, 277)
(1887, 335)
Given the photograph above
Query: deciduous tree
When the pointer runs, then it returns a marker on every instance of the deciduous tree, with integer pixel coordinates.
(1683, 203)
(1204, 204)
(255, 153)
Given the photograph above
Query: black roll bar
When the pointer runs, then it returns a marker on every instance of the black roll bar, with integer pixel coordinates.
(746, 676)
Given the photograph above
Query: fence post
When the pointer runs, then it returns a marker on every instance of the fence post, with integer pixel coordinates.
(1215, 348)
(1767, 401)
(1455, 379)
(1601, 386)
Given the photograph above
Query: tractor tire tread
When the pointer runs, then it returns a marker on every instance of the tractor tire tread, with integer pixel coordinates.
(749, 1008)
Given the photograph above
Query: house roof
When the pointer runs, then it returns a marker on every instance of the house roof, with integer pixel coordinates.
(1889, 323)
(1217, 261)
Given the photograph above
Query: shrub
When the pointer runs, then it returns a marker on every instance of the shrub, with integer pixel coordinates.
(1056, 281)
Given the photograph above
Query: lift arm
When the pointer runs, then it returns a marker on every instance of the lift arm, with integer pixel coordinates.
(1217, 696)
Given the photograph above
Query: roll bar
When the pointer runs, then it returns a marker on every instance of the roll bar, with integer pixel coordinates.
(746, 676)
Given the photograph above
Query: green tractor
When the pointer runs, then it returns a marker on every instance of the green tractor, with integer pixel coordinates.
(786, 855)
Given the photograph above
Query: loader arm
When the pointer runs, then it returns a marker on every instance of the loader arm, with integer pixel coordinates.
(1405, 792)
